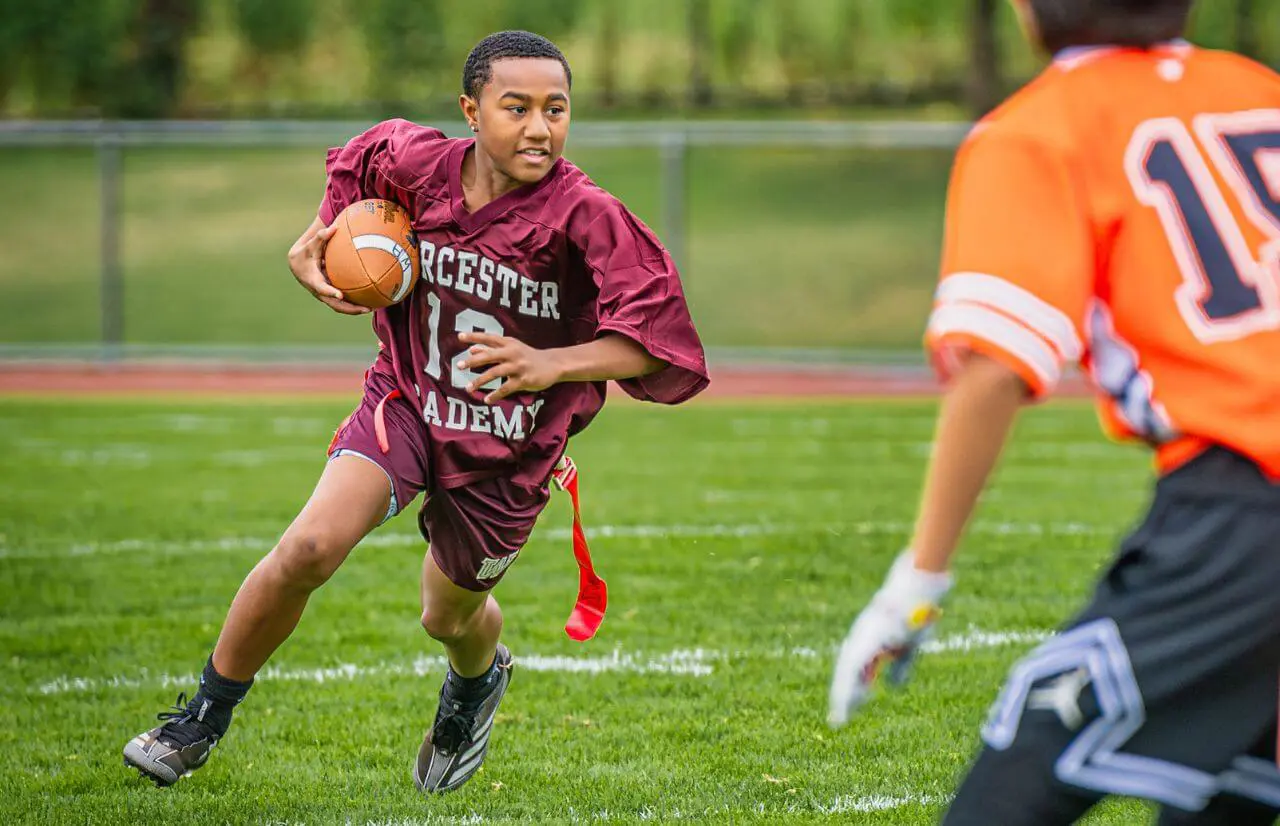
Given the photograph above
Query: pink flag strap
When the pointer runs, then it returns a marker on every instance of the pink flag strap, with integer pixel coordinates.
(593, 595)
(380, 420)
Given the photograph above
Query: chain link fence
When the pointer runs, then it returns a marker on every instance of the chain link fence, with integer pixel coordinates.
(797, 240)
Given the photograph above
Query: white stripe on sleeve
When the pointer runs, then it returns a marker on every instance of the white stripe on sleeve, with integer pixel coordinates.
(1002, 331)
(1036, 313)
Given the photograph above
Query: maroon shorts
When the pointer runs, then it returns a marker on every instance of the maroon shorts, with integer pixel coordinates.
(475, 531)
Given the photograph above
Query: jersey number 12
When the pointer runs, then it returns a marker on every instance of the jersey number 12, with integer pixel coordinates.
(467, 321)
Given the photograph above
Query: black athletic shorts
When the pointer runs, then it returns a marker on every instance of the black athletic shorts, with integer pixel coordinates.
(1165, 686)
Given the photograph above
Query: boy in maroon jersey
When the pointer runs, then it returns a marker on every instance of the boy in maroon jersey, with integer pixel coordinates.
(537, 287)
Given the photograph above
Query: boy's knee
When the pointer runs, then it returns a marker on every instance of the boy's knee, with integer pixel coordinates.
(447, 626)
(307, 558)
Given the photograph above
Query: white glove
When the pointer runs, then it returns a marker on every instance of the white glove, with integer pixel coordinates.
(889, 632)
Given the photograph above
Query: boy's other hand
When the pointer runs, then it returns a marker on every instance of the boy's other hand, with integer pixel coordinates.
(519, 367)
(306, 262)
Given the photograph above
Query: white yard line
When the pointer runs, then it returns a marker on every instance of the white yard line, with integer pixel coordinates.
(683, 663)
(877, 803)
(52, 550)
(384, 540)
(843, 804)
(975, 639)
(690, 662)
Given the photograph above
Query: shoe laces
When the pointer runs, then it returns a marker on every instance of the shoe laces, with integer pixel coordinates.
(456, 719)
(181, 726)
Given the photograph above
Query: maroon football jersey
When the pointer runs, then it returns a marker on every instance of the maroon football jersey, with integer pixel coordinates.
(553, 264)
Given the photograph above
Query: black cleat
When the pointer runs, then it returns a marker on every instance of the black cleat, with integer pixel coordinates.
(455, 747)
(175, 749)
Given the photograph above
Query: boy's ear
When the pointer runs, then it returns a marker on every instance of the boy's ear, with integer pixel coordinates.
(470, 110)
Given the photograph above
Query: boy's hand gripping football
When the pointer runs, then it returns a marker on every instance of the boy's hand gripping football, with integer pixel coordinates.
(306, 262)
(887, 634)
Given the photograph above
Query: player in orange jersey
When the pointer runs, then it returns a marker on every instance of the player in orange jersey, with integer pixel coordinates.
(1123, 212)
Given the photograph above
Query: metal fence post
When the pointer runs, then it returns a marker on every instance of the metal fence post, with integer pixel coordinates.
(674, 147)
(112, 286)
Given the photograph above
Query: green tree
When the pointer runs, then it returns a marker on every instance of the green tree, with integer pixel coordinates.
(269, 31)
(984, 87)
(273, 27)
(735, 35)
(701, 53)
(608, 44)
(549, 18)
(1246, 29)
(153, 73)
(65, 55)
(407, 50)
(794, 49)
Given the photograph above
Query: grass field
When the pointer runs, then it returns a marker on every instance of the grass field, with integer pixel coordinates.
(786, 247)
(738, 541)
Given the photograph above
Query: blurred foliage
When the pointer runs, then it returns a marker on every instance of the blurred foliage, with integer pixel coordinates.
(274, 27)
(353, 58)
(403, 40)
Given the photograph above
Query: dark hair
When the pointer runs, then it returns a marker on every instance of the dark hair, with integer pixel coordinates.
(478, 70)
(1141, 23)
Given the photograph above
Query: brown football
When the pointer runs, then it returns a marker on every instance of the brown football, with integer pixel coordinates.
(372, 257)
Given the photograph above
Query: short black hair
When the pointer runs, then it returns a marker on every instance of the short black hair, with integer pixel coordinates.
(478, 70)
(1140, 23)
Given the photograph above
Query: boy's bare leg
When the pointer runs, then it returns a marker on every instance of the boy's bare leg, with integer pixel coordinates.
(349, 501)
(468, 624)
(351, 498)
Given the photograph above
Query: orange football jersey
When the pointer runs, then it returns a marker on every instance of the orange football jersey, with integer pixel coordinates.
(1123, 212)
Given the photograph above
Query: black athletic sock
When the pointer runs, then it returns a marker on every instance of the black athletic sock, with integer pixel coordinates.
(217, 698)
(473, 686)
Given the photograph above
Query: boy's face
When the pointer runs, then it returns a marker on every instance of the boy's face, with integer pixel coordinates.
(522, 116)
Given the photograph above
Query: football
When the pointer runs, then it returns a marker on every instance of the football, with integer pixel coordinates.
(372, 255)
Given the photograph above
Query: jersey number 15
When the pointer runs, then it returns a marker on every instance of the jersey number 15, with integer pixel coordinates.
(1227, 291)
